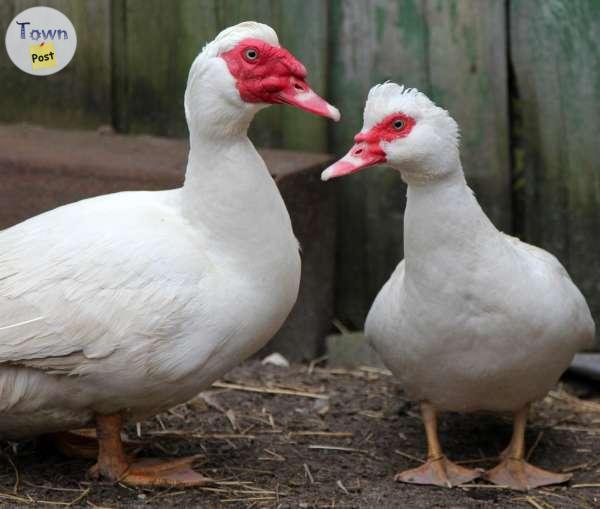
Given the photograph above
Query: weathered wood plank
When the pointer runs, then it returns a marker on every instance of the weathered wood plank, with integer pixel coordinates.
(469, 77)
(159, 43)
(308, 42)
(77, 96)
(372, 42)
(554, 49)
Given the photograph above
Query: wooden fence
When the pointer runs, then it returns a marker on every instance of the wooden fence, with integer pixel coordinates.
(522, 78)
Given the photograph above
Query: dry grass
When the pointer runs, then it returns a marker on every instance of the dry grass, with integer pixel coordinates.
(310, 436)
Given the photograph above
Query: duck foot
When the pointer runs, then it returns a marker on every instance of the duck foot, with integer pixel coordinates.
(153, 472)
(114, 464)
(439, 472)
(514, 471)
(520, 475)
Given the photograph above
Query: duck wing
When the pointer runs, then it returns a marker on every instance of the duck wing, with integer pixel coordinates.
(83, 281)
(568, 296)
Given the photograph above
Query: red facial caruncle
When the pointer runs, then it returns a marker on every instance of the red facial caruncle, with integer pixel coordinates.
(272, 75)
(367, 149)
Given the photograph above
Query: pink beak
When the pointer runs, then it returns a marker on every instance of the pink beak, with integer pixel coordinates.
(361, 155)
(300, 95)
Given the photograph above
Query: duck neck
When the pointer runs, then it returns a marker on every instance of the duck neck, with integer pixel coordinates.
(444, 225)
(230, 196)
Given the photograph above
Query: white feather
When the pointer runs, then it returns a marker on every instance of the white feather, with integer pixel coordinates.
(228, 38)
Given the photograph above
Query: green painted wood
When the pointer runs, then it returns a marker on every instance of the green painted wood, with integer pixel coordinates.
(158, 43)
(77, 96)
(372, 42)
(468, 75)
(308, 42)
(554, 49)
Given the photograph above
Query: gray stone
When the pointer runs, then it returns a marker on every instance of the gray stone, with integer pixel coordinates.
(351, 350)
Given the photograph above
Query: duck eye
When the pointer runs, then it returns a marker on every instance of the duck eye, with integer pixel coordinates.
(251, 54)
(398, 124)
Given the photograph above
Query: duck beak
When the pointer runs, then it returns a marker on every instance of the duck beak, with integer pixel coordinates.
(360, 156)
(300, 95)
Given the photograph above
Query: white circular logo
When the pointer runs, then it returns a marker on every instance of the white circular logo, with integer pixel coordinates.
(41, 41)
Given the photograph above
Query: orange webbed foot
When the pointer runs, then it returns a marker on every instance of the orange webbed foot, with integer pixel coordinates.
(439, 472)
(156, 472)
(520, 475)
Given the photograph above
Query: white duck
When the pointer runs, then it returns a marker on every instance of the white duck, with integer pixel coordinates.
(118, 307)
(472, 319)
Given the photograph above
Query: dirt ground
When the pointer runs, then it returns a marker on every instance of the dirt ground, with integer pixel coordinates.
(335, 439)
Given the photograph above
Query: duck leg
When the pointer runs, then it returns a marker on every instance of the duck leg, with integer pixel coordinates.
(514, 471)
(438, 470)
(115, 465)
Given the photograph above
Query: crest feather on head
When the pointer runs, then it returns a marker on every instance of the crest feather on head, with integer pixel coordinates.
(388, 98)
(230, 37)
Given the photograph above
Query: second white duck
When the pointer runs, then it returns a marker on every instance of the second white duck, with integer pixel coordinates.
(471, 319)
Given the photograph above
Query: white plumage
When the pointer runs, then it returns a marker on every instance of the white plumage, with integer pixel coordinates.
(133, 302)
(479, 323)
(471, 319)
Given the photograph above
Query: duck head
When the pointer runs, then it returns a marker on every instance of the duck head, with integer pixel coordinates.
(241, 71)
(404, 129)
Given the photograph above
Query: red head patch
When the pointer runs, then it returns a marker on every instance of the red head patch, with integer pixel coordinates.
(272, 75)
(396, 125)
(367, 149)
